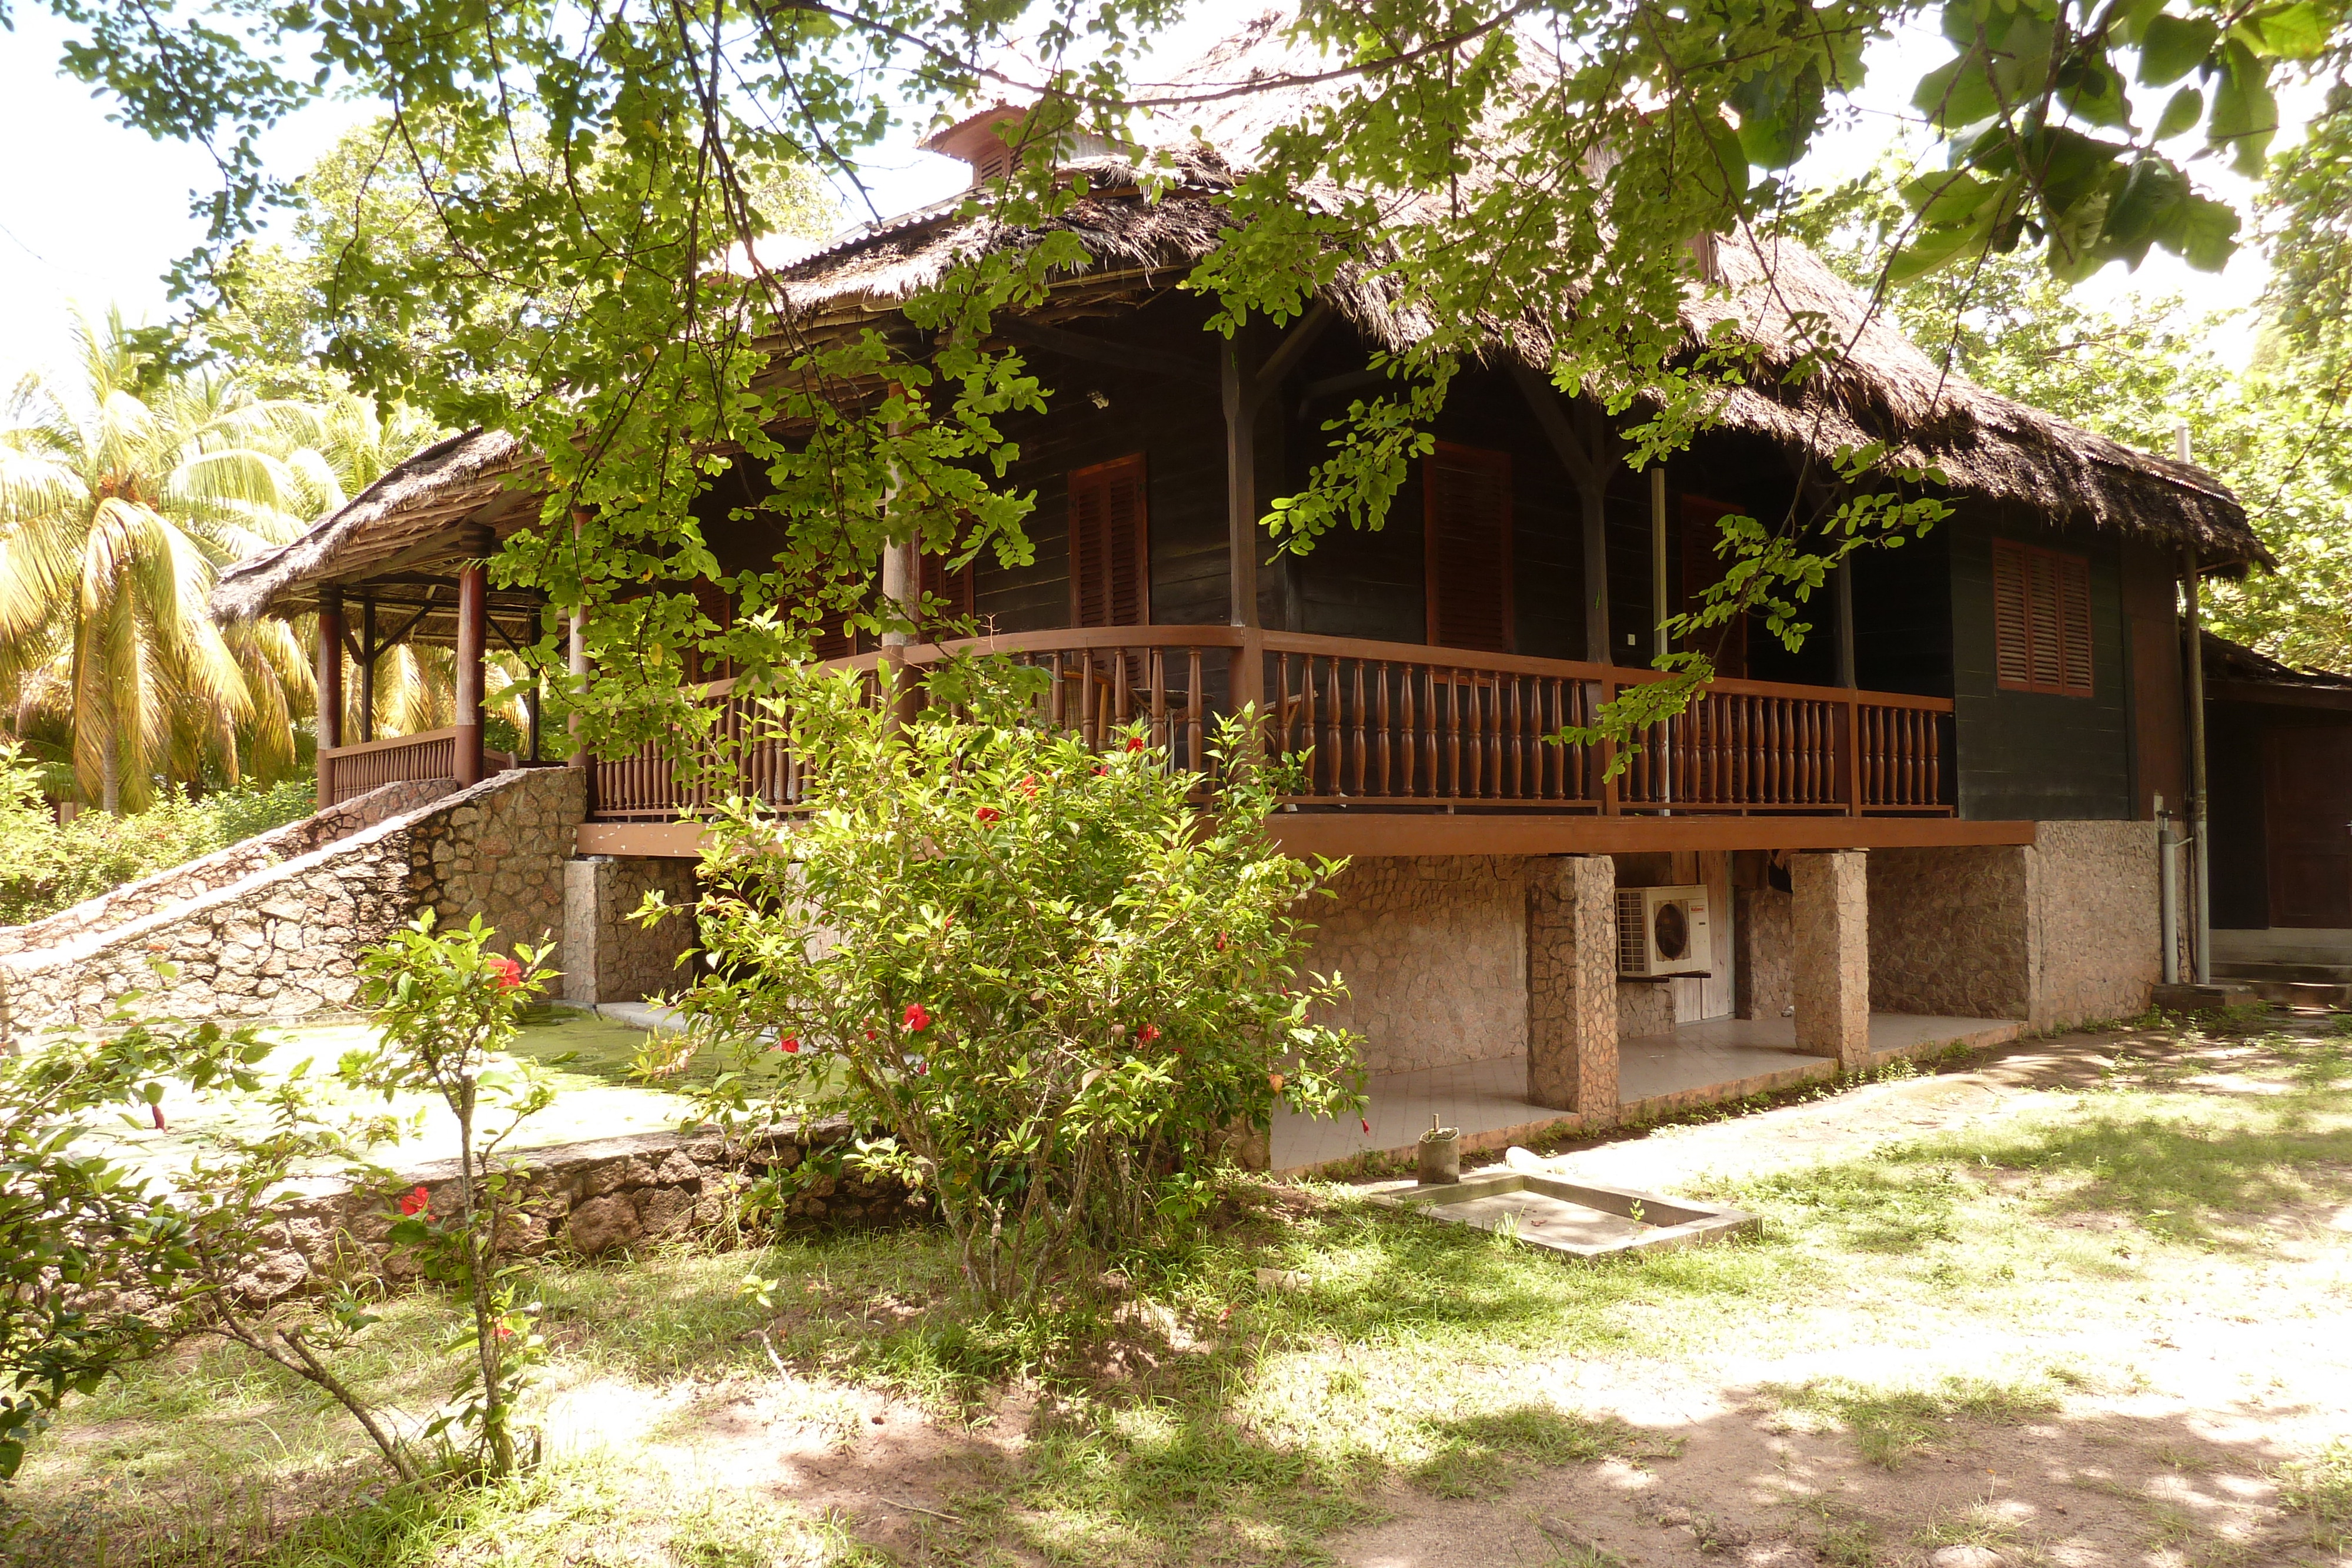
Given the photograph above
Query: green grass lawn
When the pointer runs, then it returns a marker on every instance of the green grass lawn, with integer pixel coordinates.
(1939, 1292)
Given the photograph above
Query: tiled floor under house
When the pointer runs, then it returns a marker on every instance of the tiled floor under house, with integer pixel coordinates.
(1490, 1097)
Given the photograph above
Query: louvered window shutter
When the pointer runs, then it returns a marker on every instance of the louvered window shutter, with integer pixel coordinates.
(2041, 619)
(1110, 545)
(1467, 533)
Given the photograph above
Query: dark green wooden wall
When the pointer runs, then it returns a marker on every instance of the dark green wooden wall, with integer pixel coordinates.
(2029, 756)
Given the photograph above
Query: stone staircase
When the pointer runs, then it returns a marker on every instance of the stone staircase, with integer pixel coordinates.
(2291, 984)
(273, 927)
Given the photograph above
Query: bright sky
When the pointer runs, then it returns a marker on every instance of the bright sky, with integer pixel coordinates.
(94, 213)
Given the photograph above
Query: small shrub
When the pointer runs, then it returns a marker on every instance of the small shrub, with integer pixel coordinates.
(1051, 983)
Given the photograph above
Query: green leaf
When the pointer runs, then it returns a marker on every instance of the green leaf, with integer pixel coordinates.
(1778, 110)
(1731, 156)
(2245, 113)
(1945, 199)
(2181, 112)
(2207, 234)
(2145, 209)
(2294, 32)
(2173, 46)
(1957, 93)
(2094, 92)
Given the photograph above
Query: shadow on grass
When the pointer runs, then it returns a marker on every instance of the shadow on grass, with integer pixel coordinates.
(1178, 1412)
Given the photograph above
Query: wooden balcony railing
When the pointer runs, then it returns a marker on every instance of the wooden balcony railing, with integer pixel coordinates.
(346, 772)
(1401, 727)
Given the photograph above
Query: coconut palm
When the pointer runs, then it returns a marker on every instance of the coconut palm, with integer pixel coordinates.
(118, 505)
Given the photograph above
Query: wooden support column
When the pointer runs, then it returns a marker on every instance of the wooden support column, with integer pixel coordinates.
(1831, 917)
(473, 629)
(1238, 372)
(1572, 984)
(330, 687)
(368, 652)
(1843, 583)
(1587, 449)
(575, 663)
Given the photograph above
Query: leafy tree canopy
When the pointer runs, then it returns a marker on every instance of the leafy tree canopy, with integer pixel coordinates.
(598, 177)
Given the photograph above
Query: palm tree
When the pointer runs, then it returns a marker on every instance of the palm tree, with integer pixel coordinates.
(116, 510)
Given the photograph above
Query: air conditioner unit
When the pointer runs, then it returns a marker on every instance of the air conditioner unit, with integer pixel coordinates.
(1663, 931)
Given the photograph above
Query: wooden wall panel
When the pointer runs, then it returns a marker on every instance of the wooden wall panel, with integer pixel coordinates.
(2151, 622)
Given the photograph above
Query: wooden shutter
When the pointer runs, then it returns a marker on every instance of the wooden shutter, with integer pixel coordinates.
(1466, 539)
(2041, 619)
(1110, 545)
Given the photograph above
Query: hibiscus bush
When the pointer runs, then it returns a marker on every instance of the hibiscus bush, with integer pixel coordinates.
(1052, 987)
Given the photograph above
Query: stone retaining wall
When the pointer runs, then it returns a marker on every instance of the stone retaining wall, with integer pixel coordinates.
(222, 868)
(284, 940)
(581, 1200)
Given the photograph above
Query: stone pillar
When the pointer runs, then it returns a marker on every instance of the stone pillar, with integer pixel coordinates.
(609, 958)
(1830, 914)
(1572, 984)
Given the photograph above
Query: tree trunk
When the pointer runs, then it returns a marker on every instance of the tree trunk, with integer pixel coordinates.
(110, 772)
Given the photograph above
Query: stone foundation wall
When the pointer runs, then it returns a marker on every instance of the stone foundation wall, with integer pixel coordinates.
(1644, 1006)
(1949, 932)
(1433, 952)
(608, 957)
(284, 940)
(2098, 930)
(222, 868)
(581, 1200)
(2064, 932)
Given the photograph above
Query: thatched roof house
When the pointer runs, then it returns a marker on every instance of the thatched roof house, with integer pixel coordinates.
(1141, 245)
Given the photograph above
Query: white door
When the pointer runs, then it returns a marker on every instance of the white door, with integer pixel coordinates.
(1699, 997)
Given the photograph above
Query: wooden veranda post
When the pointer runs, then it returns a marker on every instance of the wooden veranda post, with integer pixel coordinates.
(1237, 374)
(576, 661)
(473, 629)
(330, 688)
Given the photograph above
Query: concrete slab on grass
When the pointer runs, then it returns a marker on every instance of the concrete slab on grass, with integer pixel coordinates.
(1544, 1209)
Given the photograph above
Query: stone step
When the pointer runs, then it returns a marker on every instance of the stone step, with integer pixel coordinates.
(2301, 993)
(2305, 974)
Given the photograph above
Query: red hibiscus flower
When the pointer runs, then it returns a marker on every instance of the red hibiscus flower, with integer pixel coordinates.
(417, 1202)
(1101, 768)
(1135, 743)
(508, 972)
(789, 1045)
(505, 1333)
(917, 1017)
(158, 1111)
(987, 814)
(1029, 784)
(1367, 1125)
(1150, 1032)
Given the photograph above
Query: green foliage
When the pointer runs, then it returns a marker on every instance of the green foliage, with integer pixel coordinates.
(448, 1006)
(44, 867)
(82, 1238)
(2274, 433)
(1051, 984)
(556, 231)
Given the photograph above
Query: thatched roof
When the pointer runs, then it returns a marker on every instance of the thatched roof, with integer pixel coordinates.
(1883, 388)
(405, 518)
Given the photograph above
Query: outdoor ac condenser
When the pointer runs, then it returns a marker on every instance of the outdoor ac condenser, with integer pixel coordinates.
(1663, 931)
